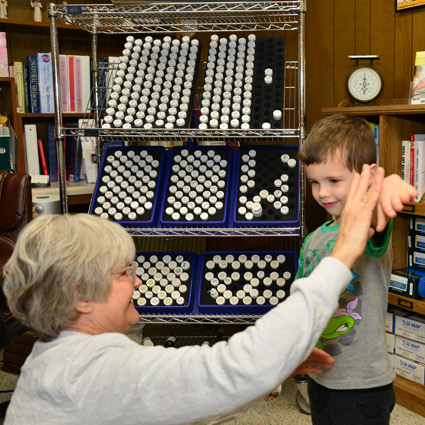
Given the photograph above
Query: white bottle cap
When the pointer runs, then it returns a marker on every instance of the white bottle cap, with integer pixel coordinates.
(292, 163)
(277, 114)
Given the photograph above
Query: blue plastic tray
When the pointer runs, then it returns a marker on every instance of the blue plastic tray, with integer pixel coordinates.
(205, 304)
(188, 296)
(220, 219)
(268, 168)
(147, 217)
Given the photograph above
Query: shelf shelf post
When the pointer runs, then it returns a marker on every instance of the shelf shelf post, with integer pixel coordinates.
(54, 43)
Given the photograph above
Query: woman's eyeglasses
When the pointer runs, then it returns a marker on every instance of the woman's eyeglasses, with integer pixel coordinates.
(129, 271)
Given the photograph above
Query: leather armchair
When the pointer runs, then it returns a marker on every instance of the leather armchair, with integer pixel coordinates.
(15, 213)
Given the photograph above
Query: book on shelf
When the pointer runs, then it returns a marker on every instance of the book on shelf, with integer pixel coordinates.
(26, 85)
(52, 153)
(63, 73)
(375, 129)
(78, 160)
(101, 82)
(34, 96)
(418, 164)
(31, 149)
(42, 157)
(71, 83)
(405, 160)
(88, 147)
(6, 151)
(4, 62)
(86, 83)
(45, 80)
(417, 95)
(78, 87)
(20, 87)
(71, 154)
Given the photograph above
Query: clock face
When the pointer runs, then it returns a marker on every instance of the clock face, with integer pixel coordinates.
(364, 84)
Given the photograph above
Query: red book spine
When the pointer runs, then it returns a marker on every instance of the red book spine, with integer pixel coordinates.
(71, 84)
(43, 158)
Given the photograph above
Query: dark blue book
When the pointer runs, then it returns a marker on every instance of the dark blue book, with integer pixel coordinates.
(70, 152)
(26, 85)
(34, 95)
(78, 159)
(52, 153)
(101, 83)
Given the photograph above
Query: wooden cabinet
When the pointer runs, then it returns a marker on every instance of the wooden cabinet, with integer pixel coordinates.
(397, 123)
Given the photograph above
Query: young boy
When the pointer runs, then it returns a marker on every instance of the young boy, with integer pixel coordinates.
(358, 389)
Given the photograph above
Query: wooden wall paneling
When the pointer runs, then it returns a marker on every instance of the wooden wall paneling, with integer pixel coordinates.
(391, 131)
(418, 36)
(382, 42)
(418, 32)
(291, 102)
(399, 245)
(319, 58)
(45, 44)
(344, 45)
(75, 45)
(20, 46)
(112, 47)
(403, 57)
(362, 26)
(22, 10)
(319, 81)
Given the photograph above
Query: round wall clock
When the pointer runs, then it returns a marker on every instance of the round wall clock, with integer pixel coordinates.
(364, 83)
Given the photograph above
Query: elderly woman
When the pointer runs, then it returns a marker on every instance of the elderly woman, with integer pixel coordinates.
(71, 280)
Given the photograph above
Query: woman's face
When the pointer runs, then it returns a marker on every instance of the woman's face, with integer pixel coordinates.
(117, 313)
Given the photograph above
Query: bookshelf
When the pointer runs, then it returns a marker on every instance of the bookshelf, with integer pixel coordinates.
(396, 123)
(26, 37)
(31, 27)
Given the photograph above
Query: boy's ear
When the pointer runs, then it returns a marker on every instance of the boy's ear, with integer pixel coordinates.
(373, 168)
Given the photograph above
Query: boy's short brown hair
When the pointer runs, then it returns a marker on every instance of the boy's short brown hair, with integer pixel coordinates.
(349, 136)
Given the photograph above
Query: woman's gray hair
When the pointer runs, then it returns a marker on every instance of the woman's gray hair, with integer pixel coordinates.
(57, 260)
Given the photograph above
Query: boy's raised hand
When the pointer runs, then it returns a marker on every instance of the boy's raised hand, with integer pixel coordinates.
(394, 193)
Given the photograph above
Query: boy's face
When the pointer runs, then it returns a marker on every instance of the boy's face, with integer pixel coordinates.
(330, 183)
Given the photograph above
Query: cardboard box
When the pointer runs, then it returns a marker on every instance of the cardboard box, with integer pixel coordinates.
(410, 326)
(410, 349)
(416, 223)
(408, 283)
(416, 239)
(416, 259)
(409, 369)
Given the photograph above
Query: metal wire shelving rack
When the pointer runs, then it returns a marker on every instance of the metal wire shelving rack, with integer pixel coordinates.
(161, 17)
